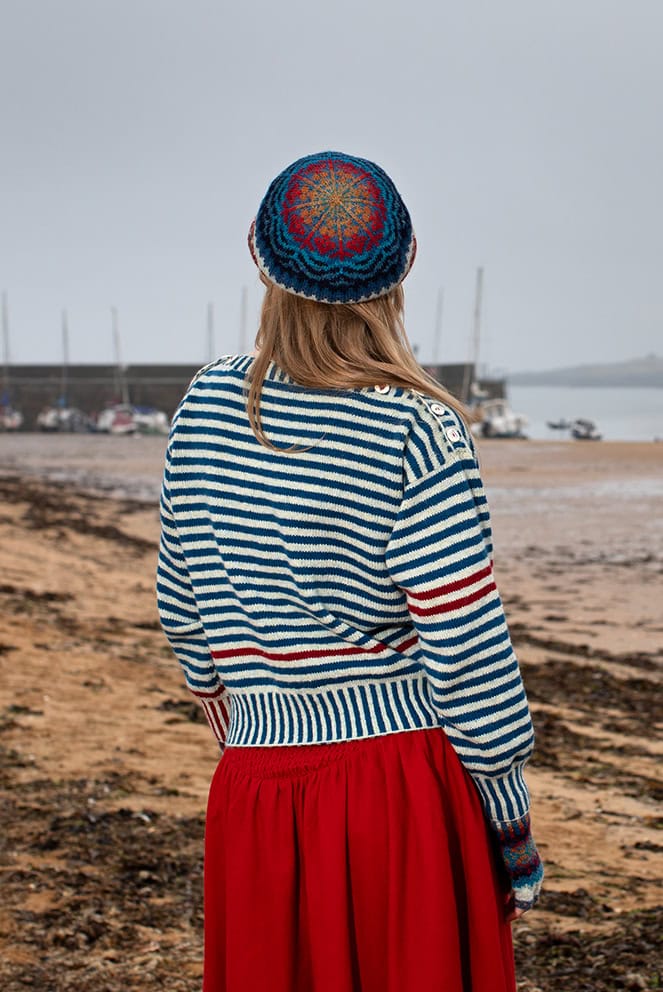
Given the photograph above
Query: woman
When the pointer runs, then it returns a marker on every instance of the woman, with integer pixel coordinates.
(325, 580)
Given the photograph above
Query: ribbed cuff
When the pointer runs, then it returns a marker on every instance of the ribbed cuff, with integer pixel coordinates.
(505, 797)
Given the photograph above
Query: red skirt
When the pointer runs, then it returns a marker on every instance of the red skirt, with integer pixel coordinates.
(359, 866)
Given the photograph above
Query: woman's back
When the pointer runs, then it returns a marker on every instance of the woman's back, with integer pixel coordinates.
(299, 567)
(325, 580)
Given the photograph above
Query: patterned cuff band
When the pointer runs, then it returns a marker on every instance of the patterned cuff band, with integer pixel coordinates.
(521, 860)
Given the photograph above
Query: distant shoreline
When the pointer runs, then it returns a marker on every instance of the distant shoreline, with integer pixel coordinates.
(646, 372)
(524, 379)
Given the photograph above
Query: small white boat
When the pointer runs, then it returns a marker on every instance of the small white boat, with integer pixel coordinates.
(116, 419)
(585, 430)
(62, 419)
(10, 419)
(122, 418)
(150, 421)
(499, 420)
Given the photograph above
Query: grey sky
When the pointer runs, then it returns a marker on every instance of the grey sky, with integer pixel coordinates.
(138, 137)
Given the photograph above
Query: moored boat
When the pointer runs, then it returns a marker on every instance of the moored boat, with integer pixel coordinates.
(585, 430)
(148, 420)
(118, 418)
(10, 419)
(63, 419)
(498, 420)
(123, 418)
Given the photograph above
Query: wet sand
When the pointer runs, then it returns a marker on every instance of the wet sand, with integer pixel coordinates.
(105, 760)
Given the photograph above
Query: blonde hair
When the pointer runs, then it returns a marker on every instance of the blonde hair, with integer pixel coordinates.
(337, 346)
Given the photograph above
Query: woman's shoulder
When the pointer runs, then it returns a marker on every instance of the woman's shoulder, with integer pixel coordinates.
(226, 361)
(202, 384)
(438, 421)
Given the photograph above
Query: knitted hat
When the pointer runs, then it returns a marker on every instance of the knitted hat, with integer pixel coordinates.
(333, 228)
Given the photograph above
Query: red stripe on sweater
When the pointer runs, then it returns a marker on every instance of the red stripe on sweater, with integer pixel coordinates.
(454, 604)
(322, 653)
(219, 691)
(452, 586)
(224, 709)
(298, 655)
(407, 644)
(213, 720)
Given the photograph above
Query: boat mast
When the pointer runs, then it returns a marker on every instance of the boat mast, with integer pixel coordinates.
(121, 383)
(4, 399)
(211, 347)
(438, 326)
(474, 360)
(65, 359)
(243, 319)
(478, 301)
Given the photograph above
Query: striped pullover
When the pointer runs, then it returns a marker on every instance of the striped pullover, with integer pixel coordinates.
(342, 592)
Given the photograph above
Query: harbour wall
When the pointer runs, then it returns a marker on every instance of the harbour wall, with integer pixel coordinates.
(92, 387)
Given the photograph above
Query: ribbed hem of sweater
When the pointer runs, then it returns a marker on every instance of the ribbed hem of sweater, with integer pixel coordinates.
(332, 714)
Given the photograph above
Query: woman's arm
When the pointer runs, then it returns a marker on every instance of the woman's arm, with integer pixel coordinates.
(180, 620)
(440, 555)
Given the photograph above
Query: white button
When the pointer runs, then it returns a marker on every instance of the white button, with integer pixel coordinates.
(453, 434)
(436, 408)
(381, 389)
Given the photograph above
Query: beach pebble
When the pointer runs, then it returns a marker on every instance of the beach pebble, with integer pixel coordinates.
(634, 981)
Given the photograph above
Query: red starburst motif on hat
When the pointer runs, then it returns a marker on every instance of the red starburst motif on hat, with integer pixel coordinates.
(334, 208)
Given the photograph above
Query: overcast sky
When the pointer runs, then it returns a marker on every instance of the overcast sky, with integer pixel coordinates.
(138, 137)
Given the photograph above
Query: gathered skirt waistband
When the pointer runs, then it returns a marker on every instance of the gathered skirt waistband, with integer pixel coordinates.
(271, 761)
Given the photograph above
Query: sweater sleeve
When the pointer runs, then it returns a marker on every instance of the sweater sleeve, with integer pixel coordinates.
(440, 555)
(180, 620)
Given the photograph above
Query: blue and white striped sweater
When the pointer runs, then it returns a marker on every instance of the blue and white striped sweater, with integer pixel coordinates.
(341, 592)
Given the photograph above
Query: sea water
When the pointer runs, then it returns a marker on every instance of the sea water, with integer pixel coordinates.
(620, 413)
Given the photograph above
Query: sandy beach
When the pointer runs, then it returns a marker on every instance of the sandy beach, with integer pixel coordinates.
(105, 760)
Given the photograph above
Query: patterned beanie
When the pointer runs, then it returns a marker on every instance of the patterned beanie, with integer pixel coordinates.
(333, 228)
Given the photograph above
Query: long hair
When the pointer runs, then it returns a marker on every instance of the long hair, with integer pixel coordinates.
(336, 346)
